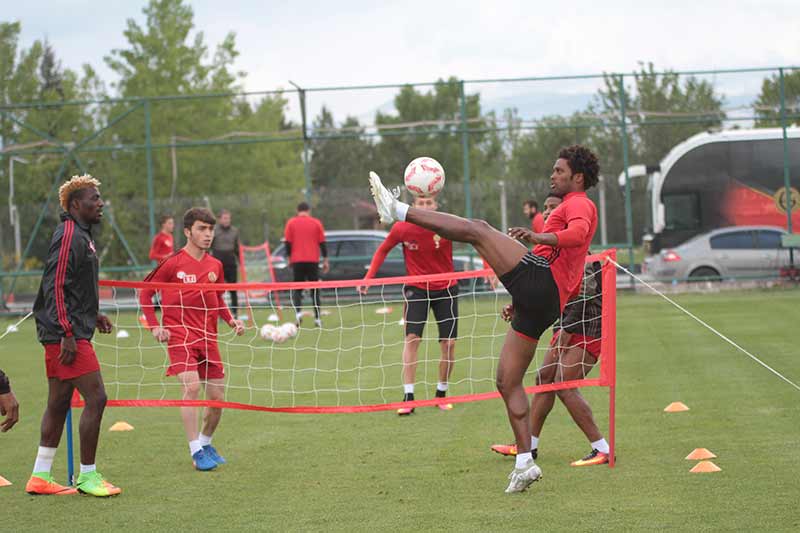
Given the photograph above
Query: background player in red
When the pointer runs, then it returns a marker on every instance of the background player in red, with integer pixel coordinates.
(305, 242)
(540, 283)
(189, 327)
(163, 245)
(67, 313)
(531, 210)
(425, 252)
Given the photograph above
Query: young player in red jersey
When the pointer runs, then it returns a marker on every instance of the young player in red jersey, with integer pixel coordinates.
(540, 283)
(189, 327)
(305, 242)
(425, 252)
(574, 350)
(162, 246)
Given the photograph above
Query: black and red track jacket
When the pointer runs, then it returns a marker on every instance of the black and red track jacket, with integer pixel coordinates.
(68, 299)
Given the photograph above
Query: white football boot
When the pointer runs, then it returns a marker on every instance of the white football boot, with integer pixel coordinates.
(385, 200)
(522, 478)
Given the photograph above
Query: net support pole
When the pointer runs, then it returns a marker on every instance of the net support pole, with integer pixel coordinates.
(625, 163)
(786, 181)
(608, 369)
(70, 460)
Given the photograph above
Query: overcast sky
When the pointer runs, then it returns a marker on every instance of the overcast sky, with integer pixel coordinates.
(346, 42)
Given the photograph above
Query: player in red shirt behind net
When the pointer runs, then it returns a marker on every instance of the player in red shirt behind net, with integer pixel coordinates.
(540, 282)
(189, 327)
(425, 252)
(305, 241)
(162, 246)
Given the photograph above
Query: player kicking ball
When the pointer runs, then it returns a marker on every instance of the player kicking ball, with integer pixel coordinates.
(189, 327)
(540, 283)
(424, 252)
(573, 352)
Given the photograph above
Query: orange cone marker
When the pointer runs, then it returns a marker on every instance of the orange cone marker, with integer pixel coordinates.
(4, 482)
(699, 454)
(705, 466)
(121, 426)
(676, 407)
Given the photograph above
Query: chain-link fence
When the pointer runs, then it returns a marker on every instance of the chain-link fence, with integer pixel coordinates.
(681, 154)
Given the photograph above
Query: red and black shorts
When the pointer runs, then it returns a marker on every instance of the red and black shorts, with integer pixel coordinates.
(198, 355)
(534, 295)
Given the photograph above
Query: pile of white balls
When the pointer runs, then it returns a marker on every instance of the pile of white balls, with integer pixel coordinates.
(280, 333)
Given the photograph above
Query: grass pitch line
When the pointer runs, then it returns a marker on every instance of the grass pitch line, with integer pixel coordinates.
(14, 327)
(729, 341)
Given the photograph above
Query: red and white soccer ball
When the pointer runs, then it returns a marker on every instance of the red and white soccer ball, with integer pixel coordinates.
(424, 177)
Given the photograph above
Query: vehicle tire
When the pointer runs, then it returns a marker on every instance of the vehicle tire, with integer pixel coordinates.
(705, 274)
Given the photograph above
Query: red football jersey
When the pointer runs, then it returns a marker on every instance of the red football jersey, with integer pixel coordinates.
(305, 233)
(577, 211)
(424, 251)
(161, 247)
(189, 315)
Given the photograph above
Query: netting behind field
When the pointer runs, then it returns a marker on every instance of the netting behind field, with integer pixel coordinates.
(353, 361)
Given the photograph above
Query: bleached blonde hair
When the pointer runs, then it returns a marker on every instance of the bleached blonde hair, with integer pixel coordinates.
(76, 183)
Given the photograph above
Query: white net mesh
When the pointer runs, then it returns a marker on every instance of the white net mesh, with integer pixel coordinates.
(354, 359)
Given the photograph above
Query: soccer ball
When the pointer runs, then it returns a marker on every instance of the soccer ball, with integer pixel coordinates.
(424, 177)
(290, 329)
(267, 330)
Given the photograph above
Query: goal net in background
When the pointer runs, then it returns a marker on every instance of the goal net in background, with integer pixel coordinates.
(255, 266)
(353, 363)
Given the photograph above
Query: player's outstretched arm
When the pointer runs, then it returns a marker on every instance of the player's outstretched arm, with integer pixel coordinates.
(380, 256)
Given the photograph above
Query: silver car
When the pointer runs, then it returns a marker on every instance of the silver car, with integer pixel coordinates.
(735, 252)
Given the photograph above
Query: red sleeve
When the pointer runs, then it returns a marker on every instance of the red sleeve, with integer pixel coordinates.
(321, 231)
(578, 217)
(538, 223)
(224, 312)
(153, 252)
(380, 254)
(161, 274)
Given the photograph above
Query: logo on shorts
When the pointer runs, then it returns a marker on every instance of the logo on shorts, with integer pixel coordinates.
(212, 277)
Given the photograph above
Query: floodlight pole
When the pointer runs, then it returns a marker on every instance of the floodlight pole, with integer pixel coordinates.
(13, 213)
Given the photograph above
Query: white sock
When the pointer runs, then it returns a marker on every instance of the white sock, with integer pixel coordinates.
(402, 210)
(44, 459)
(523, 459)
(204, 440)
(195, 446)
(442, 386)
(534, 442)
(87, 468)
(601, 446)
(299, 315)
(408, 388)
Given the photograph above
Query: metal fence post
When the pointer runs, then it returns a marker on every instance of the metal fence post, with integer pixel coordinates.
(465, 150)
(786, 182)
(625, 163)
(148, 141)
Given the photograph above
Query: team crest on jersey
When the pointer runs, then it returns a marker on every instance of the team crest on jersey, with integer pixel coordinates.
(411, 245)
(212, 277)
(436, 240)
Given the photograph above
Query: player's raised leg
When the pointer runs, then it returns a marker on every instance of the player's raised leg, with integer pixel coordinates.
(500, 251)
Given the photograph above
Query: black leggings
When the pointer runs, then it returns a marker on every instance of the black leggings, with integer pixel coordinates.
(231, 276)
(305, 272)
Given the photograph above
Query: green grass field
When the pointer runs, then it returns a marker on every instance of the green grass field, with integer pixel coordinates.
(434, 470)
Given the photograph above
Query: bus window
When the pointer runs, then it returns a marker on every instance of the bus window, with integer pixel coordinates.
(682, 211)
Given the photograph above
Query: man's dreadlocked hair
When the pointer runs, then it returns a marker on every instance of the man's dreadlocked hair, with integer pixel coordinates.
(67, 191)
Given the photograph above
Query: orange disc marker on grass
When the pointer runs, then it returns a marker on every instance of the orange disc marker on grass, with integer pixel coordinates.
(4, 482)
(698, 454)
(704, 467)
(676, 407)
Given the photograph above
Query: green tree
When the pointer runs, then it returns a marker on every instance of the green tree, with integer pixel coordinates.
(768, 104)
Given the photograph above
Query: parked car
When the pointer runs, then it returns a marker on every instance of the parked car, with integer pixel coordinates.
(350, 253)
(734, 252)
